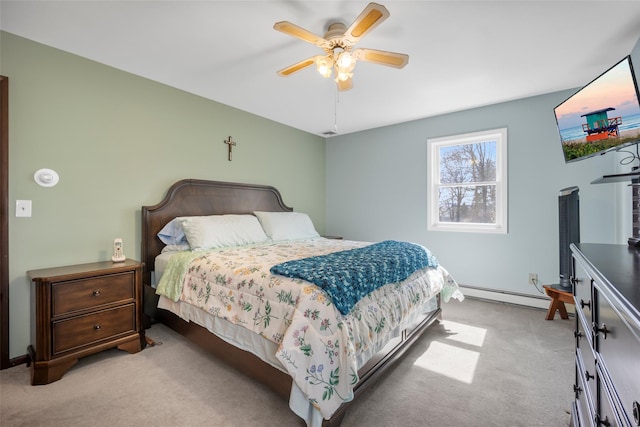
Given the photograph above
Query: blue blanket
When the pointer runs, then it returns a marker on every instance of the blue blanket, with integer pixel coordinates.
(348, 276)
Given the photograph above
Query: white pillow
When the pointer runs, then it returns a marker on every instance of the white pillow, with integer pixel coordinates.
(218, 231)
(287, 225)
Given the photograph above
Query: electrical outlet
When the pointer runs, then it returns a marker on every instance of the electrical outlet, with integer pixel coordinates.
(533, 279)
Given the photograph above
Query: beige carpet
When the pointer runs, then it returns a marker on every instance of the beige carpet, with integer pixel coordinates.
(488, 364)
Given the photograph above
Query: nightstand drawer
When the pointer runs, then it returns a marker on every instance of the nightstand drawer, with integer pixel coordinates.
(90, 329)
(92, 292)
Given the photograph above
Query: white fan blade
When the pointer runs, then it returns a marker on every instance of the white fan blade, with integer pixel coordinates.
(383, 57)
(372, 16)
(298, 66)
(299, 32)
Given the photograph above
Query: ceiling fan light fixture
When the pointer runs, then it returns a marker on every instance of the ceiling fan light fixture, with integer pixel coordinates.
(345, 61)
(343, 76)
(325, 66)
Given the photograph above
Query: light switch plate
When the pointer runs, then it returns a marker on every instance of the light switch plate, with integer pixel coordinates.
(23, 208)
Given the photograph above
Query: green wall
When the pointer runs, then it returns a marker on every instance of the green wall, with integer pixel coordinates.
(118, 141)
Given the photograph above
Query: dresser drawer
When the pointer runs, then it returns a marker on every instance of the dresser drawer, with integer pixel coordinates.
(587, 359)
(81, 294)
(92, 328)
(619, 350)
(608, 414)
(582, 290)
(584, 400)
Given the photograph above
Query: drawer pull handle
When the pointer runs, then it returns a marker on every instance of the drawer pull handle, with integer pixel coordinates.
(602, 329)
(604, 422)
(636, 412)
(588, 376)
(574, 280)
(578, 334)
(96, 326)
(585, 304)
(577, 390)
(96, 293)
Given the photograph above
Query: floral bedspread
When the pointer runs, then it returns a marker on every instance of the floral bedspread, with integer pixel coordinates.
(318, 346)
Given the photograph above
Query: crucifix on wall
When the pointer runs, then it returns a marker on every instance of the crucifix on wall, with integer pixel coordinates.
(230, 145)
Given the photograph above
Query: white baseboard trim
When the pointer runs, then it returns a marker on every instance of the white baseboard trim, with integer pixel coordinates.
(534, 301)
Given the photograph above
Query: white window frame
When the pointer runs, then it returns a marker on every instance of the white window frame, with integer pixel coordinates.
(433, 149)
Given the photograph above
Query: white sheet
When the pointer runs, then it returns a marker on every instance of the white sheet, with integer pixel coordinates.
(235, 335)
(160, 264)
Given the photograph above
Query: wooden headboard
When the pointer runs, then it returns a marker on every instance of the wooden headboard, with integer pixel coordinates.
(190, 197)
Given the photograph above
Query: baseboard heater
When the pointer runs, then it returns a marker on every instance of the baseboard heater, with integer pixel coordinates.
(499, 295)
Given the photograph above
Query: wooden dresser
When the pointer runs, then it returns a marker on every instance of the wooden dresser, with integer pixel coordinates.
(83, 309)
(606, 284)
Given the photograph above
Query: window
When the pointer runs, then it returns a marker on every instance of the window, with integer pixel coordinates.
(468, 182)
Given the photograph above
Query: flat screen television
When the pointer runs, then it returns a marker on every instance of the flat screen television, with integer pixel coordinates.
(602, 116)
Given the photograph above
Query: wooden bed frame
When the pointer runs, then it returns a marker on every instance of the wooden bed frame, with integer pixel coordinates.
(198, 197)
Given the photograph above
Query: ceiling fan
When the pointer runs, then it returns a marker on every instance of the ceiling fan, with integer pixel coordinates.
(338, 43)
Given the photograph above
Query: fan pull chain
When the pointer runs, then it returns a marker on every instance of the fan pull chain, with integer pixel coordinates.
(335, 110)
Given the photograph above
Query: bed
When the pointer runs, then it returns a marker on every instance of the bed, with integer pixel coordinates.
(320, 377)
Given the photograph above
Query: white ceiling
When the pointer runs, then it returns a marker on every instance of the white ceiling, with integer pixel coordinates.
(463, 54)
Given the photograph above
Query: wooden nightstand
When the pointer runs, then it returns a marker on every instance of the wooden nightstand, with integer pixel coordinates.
(81, 310)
